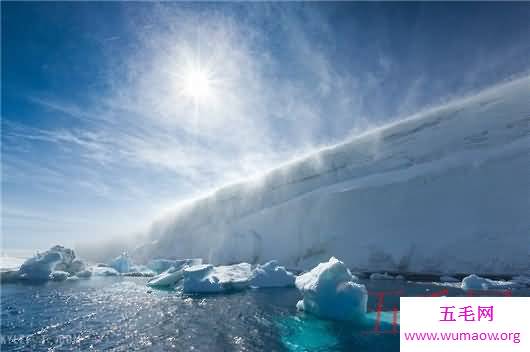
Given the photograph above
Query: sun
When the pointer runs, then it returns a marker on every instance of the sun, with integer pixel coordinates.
(197, 84)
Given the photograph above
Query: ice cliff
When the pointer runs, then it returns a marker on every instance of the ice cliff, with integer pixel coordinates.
(446, 190)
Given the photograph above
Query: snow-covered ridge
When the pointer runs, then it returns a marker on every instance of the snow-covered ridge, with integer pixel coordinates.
(447, 190)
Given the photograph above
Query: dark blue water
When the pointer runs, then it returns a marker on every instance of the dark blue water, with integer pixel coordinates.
(122, 314)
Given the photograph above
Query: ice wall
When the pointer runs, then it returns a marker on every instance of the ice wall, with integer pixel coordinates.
(445, 190)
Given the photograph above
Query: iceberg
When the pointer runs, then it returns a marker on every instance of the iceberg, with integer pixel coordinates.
(168, 278)
(122, 263)
(161, 265)
(173, 274)
(104, 271)
(56, 259)
(59, 275)
(206, 278)
(271, 274)
(85, 274)
(475, 282)
(329, 292)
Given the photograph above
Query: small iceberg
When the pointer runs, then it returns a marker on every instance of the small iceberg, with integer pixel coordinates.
(475, 282)
(122, 263)
(173, 274)
(206, 278)
(271, 274)
(161, 265)
(57, 263)
(329, 291)
(104, 271)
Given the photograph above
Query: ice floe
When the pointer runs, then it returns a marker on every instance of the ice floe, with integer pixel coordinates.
(206, 278)
(271, 274)
(329, 291)
(173, 274)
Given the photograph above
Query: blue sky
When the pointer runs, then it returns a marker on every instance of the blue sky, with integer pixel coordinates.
(101, 132)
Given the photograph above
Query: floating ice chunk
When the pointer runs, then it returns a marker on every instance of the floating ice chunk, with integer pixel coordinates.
(161, 265)
(72, 278)
(379, 276)
(173, 274)
(85, 274)
(475, 282)
(59, 275)
(446, 278)
(271, 274)
(122, 263)
(206, 278)
(104, 271)
(39, 267)
(168, 278)
(400, 277)
(329, 291)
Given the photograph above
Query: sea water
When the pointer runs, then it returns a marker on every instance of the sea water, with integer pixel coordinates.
(122, 314)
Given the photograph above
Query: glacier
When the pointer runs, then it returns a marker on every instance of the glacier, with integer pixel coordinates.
(445, 190)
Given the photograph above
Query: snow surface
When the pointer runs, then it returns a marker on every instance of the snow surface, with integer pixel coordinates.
(446, 190)
(206, 278)
(329, 292)
(271, 274)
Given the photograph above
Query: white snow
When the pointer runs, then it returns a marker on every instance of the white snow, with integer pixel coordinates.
(379, 276)
(446, 278)
(445, 190)
(206, 278)
(329, 292)
(271, 274)
(122, 263)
